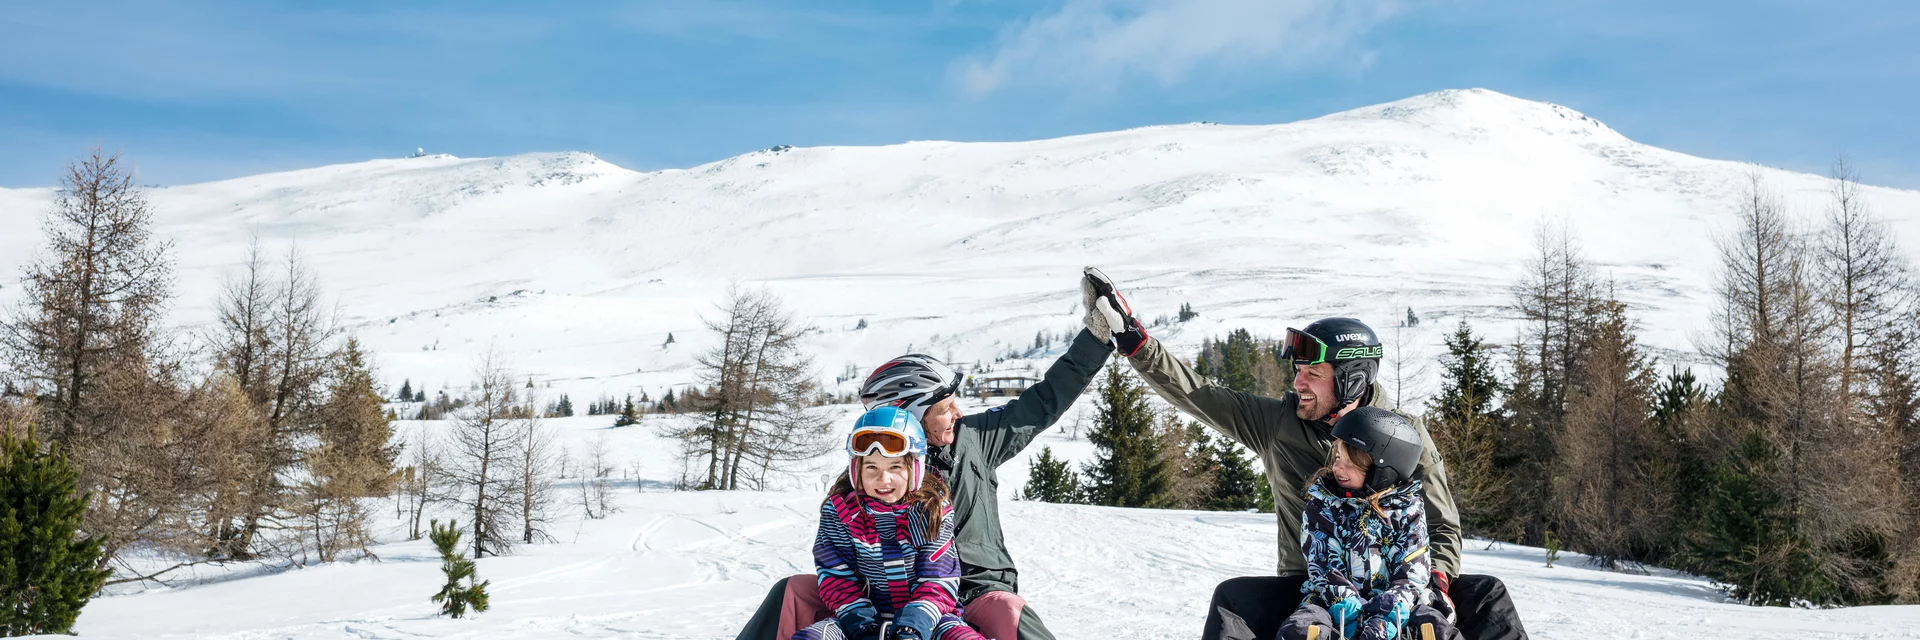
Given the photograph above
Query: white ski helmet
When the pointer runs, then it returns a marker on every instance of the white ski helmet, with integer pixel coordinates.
(913, 382)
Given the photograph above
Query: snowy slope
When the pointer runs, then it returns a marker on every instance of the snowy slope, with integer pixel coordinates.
(577, 269)
(694, 565)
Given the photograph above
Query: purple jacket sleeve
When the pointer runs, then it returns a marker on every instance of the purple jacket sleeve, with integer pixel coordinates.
(833, 561)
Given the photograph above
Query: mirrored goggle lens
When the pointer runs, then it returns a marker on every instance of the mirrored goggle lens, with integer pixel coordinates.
(1305, 349)
(889, 443)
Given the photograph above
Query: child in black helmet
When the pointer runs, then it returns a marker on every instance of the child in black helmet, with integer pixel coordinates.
(1365, 538)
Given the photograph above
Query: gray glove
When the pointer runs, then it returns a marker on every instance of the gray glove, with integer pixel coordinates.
(1108, 315)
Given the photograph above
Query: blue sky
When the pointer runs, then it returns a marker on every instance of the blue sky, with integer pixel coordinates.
(195, 91)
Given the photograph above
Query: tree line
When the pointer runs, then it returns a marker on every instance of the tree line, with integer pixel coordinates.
(255, 438)
(1152, 457)
(1794, 480)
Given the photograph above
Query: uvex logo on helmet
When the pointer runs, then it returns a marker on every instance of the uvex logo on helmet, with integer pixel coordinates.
(1353, 337)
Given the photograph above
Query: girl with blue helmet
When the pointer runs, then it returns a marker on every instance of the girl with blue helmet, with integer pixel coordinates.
(884, 554)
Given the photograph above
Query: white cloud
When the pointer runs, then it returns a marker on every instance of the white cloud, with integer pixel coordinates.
(1100, 43)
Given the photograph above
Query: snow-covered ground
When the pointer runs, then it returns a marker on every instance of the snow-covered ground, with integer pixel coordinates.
(695, 564)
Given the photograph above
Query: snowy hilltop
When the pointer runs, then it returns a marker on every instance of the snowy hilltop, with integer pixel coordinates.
(577, 270)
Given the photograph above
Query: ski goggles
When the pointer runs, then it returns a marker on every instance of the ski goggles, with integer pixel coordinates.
(888, 442)
(1304, 349)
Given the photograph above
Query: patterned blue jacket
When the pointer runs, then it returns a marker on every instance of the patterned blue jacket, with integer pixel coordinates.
(1376, 552)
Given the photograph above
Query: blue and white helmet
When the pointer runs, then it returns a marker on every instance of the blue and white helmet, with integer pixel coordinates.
(892, 432)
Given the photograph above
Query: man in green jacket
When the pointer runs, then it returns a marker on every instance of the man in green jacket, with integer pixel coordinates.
(967, 451)
(1335, 362)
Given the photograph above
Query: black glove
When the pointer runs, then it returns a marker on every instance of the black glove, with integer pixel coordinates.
(1107, 310)
(859, 623)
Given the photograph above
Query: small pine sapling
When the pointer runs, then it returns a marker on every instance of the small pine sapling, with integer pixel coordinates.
(1553, 549)
(455, 598)
(48, 568)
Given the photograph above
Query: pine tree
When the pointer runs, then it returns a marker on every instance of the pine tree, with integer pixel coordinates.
(1238, 362)
(406, 390)
(1129, 468)
(1465, 424)
(566, 406)
(669, 339)
(456, 598)
(1683, 464)
(628, 417)
(1051, 480)
(1236, 486)
(48, 569)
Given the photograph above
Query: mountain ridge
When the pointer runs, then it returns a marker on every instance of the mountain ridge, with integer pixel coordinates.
(970, 249)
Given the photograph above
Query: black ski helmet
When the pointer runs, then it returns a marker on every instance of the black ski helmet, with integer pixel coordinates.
(1349, 344)
(1393, 442)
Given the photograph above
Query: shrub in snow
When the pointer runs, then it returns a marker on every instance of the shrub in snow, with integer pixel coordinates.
(455, 598)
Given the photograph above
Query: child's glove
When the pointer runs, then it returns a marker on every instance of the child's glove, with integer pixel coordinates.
(1378, 628)
(914, 622)
(1346, 615)
(859, 622)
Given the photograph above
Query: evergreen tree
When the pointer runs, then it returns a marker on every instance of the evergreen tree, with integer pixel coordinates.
(456, 598)
(1263, 500)
(1683, 465)
(406, 391)
(1236, 486)
(1129, 468)
(667, 403)
(669, 339)
(566, 406)
(420, 396)
(1051, 480)
(628, 417)
(48, 569)
(1465, 423)
(1238, 361)
(1203, 363)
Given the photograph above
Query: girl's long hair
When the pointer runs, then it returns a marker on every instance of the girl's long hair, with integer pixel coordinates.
(930, 498)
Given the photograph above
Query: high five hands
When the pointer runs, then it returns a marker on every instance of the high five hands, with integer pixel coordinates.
(1108, 315)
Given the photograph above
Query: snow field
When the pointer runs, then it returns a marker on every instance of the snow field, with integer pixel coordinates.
(685, 565)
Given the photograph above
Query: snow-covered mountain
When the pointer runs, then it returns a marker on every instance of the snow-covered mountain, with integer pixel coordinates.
(578, 269)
